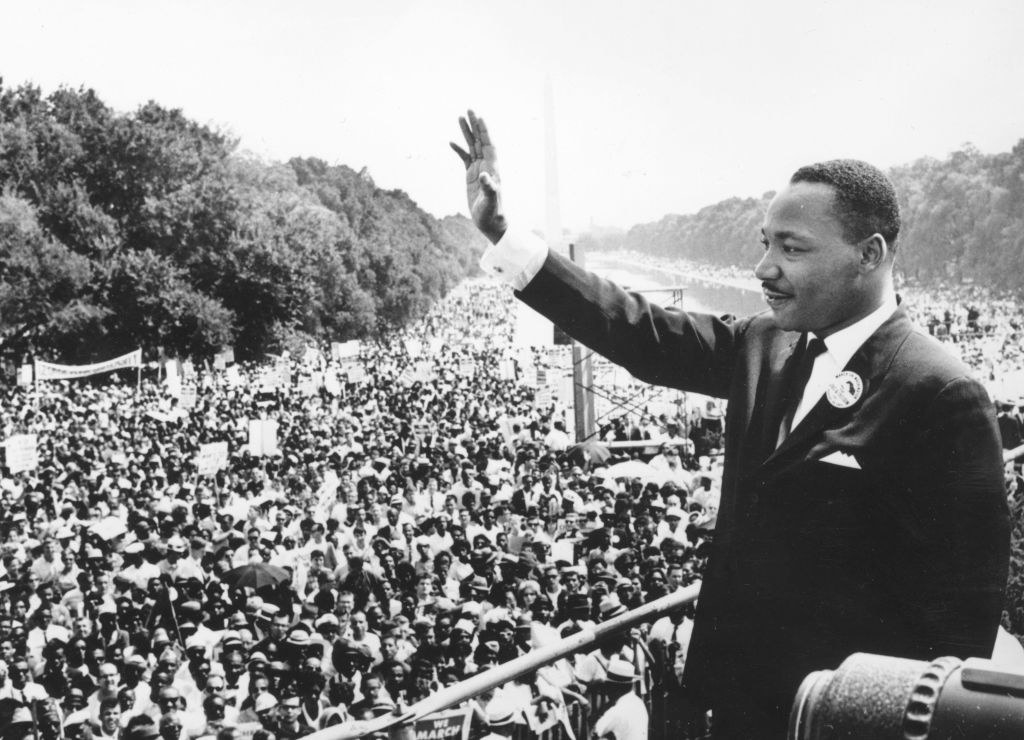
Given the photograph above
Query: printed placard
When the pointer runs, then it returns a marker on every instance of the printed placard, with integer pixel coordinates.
(212, 457)
(22, 453)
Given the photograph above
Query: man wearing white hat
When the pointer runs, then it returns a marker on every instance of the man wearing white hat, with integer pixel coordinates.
(627, 718)
(501, 722)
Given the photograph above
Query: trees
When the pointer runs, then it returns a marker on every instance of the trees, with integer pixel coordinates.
(963, 217)
(120, 230)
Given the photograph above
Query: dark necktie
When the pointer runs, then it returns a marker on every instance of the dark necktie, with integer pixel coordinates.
(801, 374)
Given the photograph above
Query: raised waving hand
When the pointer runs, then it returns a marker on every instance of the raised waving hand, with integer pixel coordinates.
(483, 185)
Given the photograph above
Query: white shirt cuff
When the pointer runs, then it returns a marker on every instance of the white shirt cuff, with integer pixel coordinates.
(516, 258)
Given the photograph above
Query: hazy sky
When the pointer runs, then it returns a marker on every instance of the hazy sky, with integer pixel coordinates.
(662, 106)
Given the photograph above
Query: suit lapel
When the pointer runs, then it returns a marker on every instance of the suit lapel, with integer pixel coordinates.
(869, 362)
(777, 394)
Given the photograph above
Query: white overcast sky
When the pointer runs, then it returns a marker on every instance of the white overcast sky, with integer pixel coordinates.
(662, 106)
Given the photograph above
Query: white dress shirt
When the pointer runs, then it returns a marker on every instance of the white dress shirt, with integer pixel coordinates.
(839, 348)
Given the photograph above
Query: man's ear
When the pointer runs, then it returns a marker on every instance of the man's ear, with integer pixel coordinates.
(874, 252)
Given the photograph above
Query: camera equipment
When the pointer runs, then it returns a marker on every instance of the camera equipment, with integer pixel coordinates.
(876, 697)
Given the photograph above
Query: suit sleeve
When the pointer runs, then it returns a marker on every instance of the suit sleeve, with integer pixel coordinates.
(662, 346)
(963, 533)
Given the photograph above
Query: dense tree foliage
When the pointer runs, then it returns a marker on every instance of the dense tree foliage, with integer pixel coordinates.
(121, 230)
(963, 219)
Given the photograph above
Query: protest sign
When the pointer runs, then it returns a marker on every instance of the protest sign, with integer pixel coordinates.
(311, 356)
(331, 384)
(246, 730)
(413, 347)
(506, 369)
(453, 724)
(22, 453)
(269, 381)
(212, 457)
(234, 377)
(544, 398)
(189, 396)
(25, 375)
(262, 437)
(345, 350)
(562, 550)
(423, 371)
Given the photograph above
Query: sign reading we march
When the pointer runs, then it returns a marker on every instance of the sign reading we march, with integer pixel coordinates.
(442, 725)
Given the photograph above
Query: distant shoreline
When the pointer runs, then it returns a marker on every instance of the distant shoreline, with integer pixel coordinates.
(683, 268)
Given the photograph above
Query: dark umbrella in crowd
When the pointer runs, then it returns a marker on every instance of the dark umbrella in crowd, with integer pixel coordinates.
(255, 575)
(587, 453)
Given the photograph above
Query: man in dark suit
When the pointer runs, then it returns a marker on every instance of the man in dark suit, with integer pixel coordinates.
(862, 505)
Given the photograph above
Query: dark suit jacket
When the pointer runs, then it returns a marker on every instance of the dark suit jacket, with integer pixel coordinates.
(813, 561)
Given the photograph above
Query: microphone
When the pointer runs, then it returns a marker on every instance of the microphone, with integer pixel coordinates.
(876, 697)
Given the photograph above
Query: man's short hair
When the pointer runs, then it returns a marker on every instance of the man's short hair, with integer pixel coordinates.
(110, 703)
(866, 200)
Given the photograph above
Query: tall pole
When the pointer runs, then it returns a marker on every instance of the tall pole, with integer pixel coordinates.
(582, 376)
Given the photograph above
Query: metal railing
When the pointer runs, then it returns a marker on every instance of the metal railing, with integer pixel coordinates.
(451, 696)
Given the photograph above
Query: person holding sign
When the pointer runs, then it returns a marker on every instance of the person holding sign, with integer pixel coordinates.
(862, 505)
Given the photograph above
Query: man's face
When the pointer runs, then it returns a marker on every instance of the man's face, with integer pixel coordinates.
(108, 677)
(373, 687)
(359, 625)
(235, 666)
(346, 604)
(20, 674)
(810, 274)
(110, 718)
(278, 627)
(290, 709)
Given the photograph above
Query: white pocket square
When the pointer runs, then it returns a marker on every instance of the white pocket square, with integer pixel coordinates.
(842, 459)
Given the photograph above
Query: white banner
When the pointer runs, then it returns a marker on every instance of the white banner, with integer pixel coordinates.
(25, 375)
(52, 371)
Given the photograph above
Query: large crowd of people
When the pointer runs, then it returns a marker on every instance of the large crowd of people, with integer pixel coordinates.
(420, 515)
